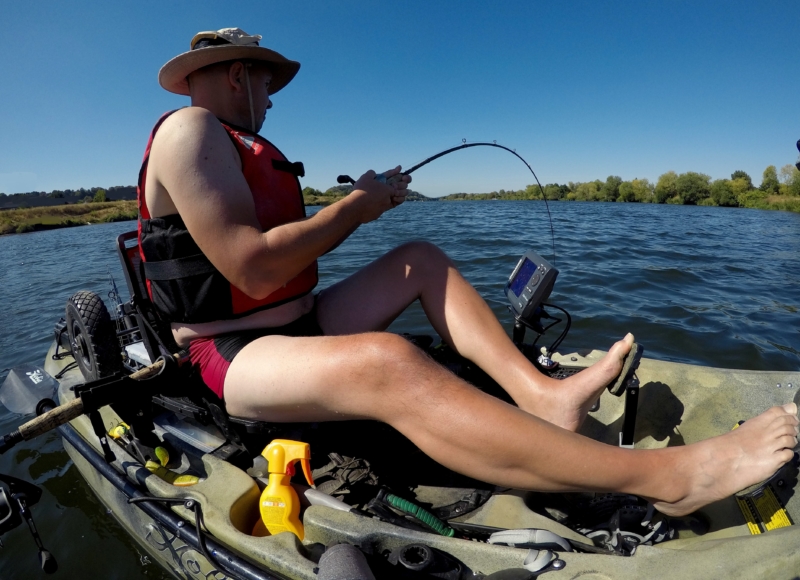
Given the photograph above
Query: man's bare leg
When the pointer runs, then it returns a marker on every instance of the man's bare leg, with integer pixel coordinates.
(381, 376)
(373, 297)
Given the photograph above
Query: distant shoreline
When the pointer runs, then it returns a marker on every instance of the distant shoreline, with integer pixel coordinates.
(768, 202)
(35, 219)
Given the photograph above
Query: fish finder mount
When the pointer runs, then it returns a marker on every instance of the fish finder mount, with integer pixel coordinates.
(529, 285)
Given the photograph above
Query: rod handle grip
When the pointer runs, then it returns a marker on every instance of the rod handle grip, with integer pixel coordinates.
(51, 419)
(150, 371)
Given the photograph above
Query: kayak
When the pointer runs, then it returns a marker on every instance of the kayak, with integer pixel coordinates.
(189, 483)
(206, 530)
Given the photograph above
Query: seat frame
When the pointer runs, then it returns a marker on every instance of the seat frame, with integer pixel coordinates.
(187, 397)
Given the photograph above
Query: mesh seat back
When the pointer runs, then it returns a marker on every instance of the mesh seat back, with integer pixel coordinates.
(155, 332)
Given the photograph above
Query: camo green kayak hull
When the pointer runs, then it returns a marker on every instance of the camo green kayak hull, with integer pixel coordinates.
(678, 404)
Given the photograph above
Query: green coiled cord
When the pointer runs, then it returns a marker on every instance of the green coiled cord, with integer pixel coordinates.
(421, 514)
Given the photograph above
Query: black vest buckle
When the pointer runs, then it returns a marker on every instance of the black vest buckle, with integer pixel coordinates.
(295, 168)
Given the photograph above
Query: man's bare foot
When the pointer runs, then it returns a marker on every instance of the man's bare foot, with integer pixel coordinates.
(567, 402)
(719, 467)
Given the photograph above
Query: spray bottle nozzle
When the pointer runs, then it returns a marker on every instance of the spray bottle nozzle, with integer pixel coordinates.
(282, 454)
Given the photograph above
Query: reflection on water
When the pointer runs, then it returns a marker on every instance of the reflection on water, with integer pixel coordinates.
(709, 286)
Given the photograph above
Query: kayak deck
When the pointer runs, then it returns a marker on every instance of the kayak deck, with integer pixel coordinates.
(678, 404)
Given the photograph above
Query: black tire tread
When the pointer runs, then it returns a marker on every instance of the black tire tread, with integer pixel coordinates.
(101, 334)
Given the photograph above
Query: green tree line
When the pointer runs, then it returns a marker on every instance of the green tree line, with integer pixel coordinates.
(778, 190)
(116, 190)
(690, 188)
(68, 196)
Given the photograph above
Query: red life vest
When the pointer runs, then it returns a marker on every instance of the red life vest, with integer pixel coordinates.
(182, 283)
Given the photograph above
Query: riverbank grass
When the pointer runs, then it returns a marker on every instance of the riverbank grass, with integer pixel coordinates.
(322, 200)
(781, 202)
(17, 221)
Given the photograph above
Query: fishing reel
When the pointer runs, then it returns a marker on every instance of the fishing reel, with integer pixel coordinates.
(15, 497)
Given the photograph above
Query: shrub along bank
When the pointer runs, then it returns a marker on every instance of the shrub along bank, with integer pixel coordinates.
(778, 190)
(43, 218)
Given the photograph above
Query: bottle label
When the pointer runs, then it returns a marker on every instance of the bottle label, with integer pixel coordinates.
(272, 511)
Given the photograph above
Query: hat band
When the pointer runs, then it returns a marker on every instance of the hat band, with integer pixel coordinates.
(219, 41)
(206, 42)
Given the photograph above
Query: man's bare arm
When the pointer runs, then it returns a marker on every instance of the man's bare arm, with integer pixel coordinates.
(195, 163)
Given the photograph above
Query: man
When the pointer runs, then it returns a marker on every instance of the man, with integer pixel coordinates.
(231, 260)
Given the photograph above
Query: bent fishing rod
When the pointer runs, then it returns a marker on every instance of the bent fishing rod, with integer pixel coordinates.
(464, 145)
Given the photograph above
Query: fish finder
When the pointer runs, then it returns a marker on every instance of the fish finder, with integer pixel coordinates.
(530, 284)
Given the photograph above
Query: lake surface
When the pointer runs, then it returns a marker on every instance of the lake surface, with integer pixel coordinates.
(710, 286)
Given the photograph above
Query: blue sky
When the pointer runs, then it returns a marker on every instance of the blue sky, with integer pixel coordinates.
(581, 90)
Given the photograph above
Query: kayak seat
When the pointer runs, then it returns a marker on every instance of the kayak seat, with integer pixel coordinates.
(147, 336)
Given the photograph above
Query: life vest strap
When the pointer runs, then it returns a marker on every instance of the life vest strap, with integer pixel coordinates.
(178, 268)
(297, 169)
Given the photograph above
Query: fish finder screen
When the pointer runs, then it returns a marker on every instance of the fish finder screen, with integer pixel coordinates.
(527, 270)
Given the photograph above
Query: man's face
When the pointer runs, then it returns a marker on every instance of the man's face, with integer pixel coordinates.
(260, 77)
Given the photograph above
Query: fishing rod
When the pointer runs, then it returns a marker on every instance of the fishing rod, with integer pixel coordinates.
(464, 145)
(89, 399)
(16, 495)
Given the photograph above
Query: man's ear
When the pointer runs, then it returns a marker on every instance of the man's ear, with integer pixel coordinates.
(236, 76)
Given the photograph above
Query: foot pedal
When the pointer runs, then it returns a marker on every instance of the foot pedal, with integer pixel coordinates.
(763, 512)
(629, 366)
(760, 506)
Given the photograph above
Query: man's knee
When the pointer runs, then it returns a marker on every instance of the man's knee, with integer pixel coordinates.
(391, 350)
(395, 379)
(394, 361)
(423, 257)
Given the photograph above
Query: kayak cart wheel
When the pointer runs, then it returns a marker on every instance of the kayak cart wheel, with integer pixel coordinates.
(92, 336)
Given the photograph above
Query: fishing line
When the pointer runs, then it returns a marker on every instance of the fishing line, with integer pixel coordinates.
(465, 145)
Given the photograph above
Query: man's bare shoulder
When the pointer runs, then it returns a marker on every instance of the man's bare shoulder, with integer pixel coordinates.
(194, 164)
(190, 117)
(192, 140)
(190, 125)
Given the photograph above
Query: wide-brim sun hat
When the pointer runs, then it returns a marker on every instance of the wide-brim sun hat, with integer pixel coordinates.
(223, 45)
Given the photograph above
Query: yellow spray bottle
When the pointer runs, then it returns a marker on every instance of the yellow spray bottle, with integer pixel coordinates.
(279, 504)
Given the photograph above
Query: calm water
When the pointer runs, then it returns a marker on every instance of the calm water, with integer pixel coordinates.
(709, 286)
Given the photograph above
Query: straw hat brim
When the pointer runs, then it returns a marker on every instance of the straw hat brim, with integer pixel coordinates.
(172, 75)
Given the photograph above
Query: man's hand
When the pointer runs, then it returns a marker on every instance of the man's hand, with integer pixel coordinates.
(373, 198)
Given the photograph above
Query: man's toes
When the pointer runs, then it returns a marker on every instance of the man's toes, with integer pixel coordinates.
(622, 347)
